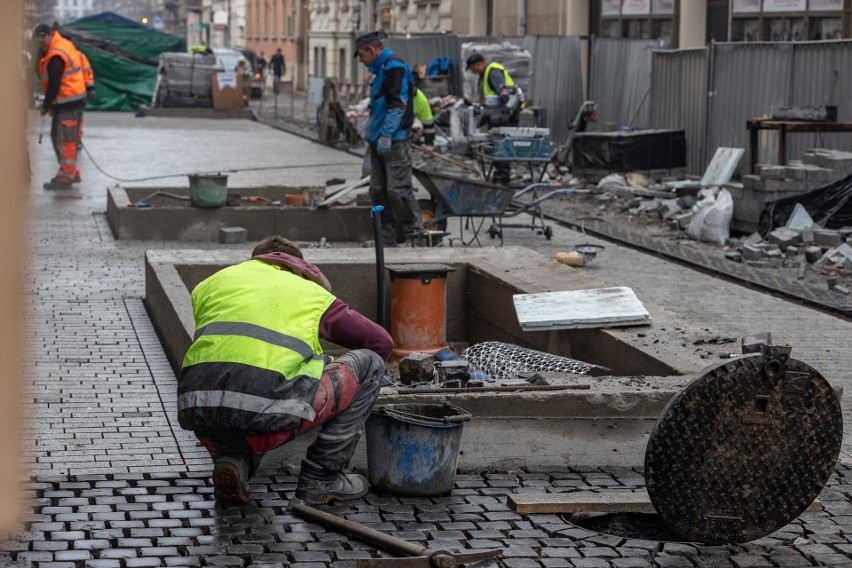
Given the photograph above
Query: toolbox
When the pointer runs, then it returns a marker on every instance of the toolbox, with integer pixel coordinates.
(521, 144)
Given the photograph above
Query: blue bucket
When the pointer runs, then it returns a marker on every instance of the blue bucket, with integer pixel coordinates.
(413, 449)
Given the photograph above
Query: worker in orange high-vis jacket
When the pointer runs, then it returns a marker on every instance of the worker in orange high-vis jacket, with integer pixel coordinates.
(89, 78)
(64, 99)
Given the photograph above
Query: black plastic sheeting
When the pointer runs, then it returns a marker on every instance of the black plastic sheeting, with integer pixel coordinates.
(828, 206)
(630, 151)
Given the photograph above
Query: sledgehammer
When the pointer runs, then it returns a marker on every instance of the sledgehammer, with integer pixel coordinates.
(420, 556)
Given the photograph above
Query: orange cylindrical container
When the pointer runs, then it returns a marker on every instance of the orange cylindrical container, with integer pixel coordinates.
(418, 308)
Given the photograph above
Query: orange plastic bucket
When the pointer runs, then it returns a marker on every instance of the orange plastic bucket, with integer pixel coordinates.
(418, 308)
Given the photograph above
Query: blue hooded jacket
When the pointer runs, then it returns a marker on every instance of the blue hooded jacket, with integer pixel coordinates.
(391, 99)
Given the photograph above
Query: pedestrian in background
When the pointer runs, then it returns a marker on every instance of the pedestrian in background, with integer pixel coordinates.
(255, 376)
(279, 67)
(64, 87)
(388, 129)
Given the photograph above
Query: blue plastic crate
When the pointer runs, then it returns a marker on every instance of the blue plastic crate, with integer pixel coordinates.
(521, 149)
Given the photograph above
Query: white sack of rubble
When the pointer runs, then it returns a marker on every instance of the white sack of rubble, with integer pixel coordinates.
(711, 219)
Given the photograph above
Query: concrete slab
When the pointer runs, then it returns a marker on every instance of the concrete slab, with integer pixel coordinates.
(173, 219)
(607, 423)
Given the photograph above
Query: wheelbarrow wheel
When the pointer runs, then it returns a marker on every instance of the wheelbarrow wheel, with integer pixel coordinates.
(494, 232)
(428, 217)
(548, 233)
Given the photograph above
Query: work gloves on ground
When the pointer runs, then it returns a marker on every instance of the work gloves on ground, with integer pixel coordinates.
(383, 146)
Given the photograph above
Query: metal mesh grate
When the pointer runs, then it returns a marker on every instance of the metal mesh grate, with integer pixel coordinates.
(506, 361)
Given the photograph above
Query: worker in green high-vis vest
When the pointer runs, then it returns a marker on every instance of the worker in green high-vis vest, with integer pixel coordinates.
(494, 80)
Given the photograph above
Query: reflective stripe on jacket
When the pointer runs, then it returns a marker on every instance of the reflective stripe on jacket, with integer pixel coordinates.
(73, 86)
(88, 75)
(255, 362)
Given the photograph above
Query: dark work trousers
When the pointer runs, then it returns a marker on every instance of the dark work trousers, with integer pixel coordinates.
(390, 186)
(348, 389)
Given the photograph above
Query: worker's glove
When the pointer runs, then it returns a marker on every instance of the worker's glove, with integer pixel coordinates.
(90, 94)
(383, 147)
(504, 98)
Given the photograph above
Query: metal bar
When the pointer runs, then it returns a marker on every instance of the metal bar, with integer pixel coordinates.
(583, 386)
(378, 538)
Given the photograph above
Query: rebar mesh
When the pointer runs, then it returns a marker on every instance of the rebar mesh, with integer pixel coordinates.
(506, 361)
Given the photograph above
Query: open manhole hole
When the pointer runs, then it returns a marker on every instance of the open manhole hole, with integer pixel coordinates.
(640, 526)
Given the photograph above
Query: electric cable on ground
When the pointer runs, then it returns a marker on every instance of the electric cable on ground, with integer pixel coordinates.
(210, 172)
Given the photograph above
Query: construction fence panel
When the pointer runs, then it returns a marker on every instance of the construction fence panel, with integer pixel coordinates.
(813, 83)
(620, 82)
(557, 81)
(747, 80)
(421, 50)
(679, 99)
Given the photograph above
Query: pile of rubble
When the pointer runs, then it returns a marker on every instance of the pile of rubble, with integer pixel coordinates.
(823, 250)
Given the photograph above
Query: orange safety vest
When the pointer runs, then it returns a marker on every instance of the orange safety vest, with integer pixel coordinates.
(73, 86)
(88, 75)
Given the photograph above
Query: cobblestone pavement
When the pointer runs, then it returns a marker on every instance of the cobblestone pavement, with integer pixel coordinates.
(113, 481)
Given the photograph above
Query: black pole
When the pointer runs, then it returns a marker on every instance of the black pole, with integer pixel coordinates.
(375, 213)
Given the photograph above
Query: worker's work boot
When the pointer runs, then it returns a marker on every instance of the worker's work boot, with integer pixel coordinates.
(318, 486)
(77, 178)
(230, 479)
(59, 182)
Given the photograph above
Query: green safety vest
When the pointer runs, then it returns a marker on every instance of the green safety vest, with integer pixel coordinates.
(255, 362)
(422, 110)
(486, 88)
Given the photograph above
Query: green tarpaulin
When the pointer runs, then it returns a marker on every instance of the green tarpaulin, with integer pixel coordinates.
(124, 55)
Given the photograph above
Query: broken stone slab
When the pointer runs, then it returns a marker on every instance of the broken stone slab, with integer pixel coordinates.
(753, 239)
(792, 251)
(799, 219)
(784, 237)
(842, 289)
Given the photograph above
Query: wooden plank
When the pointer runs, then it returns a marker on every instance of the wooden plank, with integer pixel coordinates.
(580, 309)
(608, 501)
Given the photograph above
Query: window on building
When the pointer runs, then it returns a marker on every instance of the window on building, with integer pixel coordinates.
(435, 16)
(421, 16)
(387, 18)
(638, 19)
(788, 20)
(341, 65)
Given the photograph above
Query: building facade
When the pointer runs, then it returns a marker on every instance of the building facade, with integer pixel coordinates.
(67, 10)
(280, 24)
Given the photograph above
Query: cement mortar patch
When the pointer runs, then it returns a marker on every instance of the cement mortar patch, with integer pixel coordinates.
(176, 220)
(567, 425)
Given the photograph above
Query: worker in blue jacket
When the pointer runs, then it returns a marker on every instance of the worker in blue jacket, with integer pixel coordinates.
(388, 129)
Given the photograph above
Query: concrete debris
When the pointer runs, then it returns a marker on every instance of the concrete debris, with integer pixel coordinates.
(417, 368)
(232, 235)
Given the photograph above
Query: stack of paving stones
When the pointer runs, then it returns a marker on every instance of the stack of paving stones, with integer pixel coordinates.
(170, 519)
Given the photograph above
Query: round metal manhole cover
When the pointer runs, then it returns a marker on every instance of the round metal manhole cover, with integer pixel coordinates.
(744, 448)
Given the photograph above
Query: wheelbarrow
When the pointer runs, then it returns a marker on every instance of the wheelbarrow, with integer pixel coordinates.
(476, 201)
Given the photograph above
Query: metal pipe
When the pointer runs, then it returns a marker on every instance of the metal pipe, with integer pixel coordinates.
(375, 213)
(381, 539)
